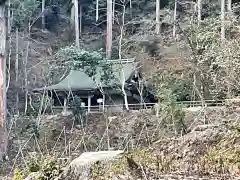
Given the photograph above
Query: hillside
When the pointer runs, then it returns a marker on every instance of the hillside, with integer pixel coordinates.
(189, 60)
(206, 151)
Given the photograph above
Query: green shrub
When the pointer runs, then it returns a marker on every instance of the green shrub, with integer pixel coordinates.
(24, 11)
(171, 112)
(17, 174)
(91, 62)
(47, 167)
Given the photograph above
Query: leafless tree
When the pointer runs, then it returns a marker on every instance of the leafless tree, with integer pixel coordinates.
(25, 62)
(120, 54)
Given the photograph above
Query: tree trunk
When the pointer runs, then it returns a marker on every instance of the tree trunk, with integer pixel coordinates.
(175, 18)
(72, 15)
(109, 29)
(199, 9)
(16, 69)
(222, 20)
(120, 57)
(9, 18)
(2, 63)
(25, 62)
(97, 7)
(158, 25)
(43, 18)
(80, 20)
(229, 5)
(76, 22)
(113, 11)
(3, 136)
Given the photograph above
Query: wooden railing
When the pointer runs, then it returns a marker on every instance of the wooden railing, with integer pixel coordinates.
(120, 106)
(200, 103)
(116, 61)
(139, 106)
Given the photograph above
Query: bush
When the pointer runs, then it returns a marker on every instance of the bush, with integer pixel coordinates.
(79, 112)
(91, 62)
(171, 112)
(17, 174)
(181, 87)
(24, 12)
(46, 167)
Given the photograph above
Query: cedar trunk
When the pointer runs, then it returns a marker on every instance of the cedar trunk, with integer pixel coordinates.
(3, 136)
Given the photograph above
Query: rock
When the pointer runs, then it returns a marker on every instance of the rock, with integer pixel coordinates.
(111, 118)
(80, 168)
(66, 113)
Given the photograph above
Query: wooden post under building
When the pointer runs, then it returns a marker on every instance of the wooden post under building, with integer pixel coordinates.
(89, 103)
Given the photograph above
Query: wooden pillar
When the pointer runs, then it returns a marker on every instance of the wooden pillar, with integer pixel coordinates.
(65, 106)
(89, 103)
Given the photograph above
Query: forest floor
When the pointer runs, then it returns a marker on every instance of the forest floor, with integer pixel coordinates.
(210, 149)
